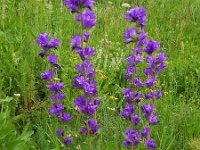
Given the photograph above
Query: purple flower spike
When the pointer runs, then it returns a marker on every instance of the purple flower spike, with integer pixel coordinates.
(135, 119)
(88, 18)
(127, 112)
(147, 109)
(93, 125)
(150, 143)
(60, 132)
(151, 82)
(68, 140)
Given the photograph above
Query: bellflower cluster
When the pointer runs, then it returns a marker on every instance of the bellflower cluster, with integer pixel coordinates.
(133, 94)
(85, 80)
(54, 85)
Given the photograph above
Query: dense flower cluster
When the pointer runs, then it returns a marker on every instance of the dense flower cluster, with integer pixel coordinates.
(53, 85)
(85, 80)
(142, 46)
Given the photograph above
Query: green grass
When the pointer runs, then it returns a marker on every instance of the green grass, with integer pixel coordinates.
(175, 23)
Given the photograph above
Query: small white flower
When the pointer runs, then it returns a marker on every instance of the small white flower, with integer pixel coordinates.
(126, 5)
(17, 95)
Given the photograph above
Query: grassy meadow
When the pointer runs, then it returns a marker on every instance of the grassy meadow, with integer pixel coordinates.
(24, 120)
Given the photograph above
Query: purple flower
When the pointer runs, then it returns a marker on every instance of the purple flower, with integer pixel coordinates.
(86, 66)
(150, 143)
(60, 132)
(84, 131)
(153, 119)
(56, 109)
(130, 71)
(128, 92)
(68, 140)
(129, 34)
(92, 123)
(88, 18)
(127, 143)
(137, 14)
(161, 67)
(145, 131)
(159, 94)
(85, 53)
(135, 119)
(134, 60)
(54, 43)
(127, 112)
(55, 87)
(48, 74)
(66, 117)
(76, 41)
(161, 57)
(75, 5)
(150, 95)
(133, 136)
(60, 96)
(142, 39)
(148, 71)
(151, 82)
(147, 109)
(151, 46)
(52, 59)
(138, 82)
(151, 61)
(43, 40)
(138, 97)
(90, 88)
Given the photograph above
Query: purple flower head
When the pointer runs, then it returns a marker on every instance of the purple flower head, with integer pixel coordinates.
(129, 34)
(75, 5)
(134, 60)
(151, 82)
(151, 61)
(137, 14)
(84, 131)
(151, 46)
(43, 40)
(161, 57)
(92, 106)
(145, 131)
(86, 36)
(88, 18)
(128, 92)
(66, 117)
(90, 88)
(160, 68)
(127, 112)
(153, 119)
(86, 66)
(68, 140)
(93, 126)
(52, 59)
(138, 82)
(85, 53)
(48, 74)
(54, 43)
(149, 71)
(133, 136)
(130, 71)
(60, 132)
(80, 81)
(159, 94)
(45, 44)
(80, 103)
(127, 143)
(76, 41)
(142, 39)
(147, 109)
(135, 119)
(55, 87)
(56, 109)
(150, 143)
(138, 97)
(60, 96)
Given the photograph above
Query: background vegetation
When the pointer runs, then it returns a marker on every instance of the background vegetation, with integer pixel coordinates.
(24, 103)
